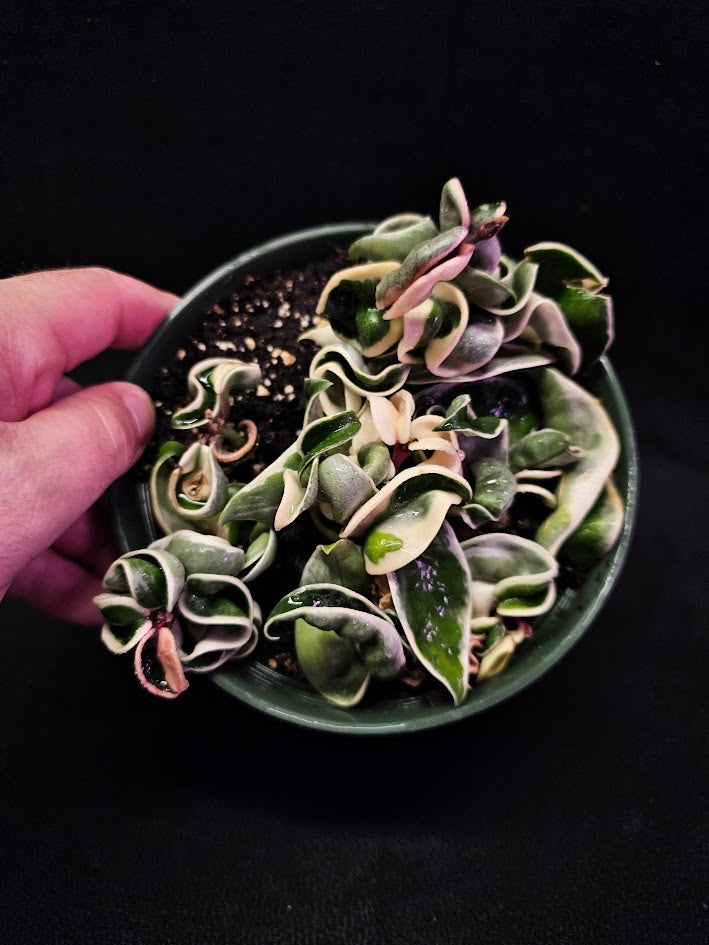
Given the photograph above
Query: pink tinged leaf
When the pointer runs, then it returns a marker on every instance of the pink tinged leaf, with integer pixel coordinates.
(422, 288)
(414, 322)
(219, 444)
(157, 664)
(399, 281)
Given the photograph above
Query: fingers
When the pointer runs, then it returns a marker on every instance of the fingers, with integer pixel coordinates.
(59, 587)
(59, 461)
(52, 321)
(88, 541)
(64, 387)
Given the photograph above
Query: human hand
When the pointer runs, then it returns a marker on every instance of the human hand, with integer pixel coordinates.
(61, 446)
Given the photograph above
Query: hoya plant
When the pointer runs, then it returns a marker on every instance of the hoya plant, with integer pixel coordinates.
(449, 457)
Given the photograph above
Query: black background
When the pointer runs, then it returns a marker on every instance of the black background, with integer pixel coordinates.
(162, 138)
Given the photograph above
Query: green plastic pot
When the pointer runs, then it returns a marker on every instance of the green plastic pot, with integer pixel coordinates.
(293, 701)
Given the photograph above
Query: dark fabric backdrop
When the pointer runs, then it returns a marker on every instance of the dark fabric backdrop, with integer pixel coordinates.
(162, 138)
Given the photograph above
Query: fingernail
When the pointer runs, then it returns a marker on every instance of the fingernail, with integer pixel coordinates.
(141, 407)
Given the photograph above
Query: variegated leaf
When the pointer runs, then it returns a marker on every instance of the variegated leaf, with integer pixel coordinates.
(152, 577)
(206, 554)
(401, 520)
(219, 618)
(454, 210)
(572, 410)
(351, 379)
(433, 599)
(421, 259)
(394, 238)
(157, 663)
(125, 621)
(543, 449)
(503, 295)
(259, 499)
(197, 488)
(598, 532)
(210, 382)
(512, 576)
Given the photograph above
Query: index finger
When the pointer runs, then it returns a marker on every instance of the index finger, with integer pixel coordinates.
(52, 321)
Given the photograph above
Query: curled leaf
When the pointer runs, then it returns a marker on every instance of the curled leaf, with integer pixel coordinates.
(543, 449)
(572, 410)
(394, 238)
(454, 210)
(197, 487)
(352, 617)
(157, 664)
(421, 259)
(598, 532)
(202, 553)
(220, 620)
(512, 576)
(402, 519)
(210, 382)
(151, 576)
(351, 379)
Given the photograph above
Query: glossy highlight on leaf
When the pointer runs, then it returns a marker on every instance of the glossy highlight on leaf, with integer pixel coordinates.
(433, 599)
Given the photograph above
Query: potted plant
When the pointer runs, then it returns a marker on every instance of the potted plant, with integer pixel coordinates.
(431, 476)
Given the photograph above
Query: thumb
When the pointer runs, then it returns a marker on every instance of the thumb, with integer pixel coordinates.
(64, 457)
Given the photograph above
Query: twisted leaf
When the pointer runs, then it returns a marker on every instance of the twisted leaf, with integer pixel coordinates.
(211, 382)
(394, 238)
(422, 257)
(220, 619)
(573, 411)
(454, 209)
(151, 577)
(598, 532)
(512, 576)
(401, 520)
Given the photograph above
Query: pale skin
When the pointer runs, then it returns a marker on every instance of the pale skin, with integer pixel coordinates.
(61, 446)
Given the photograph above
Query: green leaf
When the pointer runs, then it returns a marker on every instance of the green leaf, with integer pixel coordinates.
(259, 499)
(409, 509)
(543, 449)
(331, 664)
(572, 410)
(598, 532)
(394, 238)
(512, 576)
(152, 577)
(590, 317)
(494, 490)
(433, 599)
(344, 486)
(454, 210)
(340, 563)
(205, 554)
(327, 435)
(125, 621)
(210, 382)
(560, 264)
(352, 616)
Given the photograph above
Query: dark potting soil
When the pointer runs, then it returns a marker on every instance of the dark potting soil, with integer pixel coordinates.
(261, 321)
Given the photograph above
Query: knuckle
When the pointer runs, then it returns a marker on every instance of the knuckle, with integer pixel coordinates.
(114, 427)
